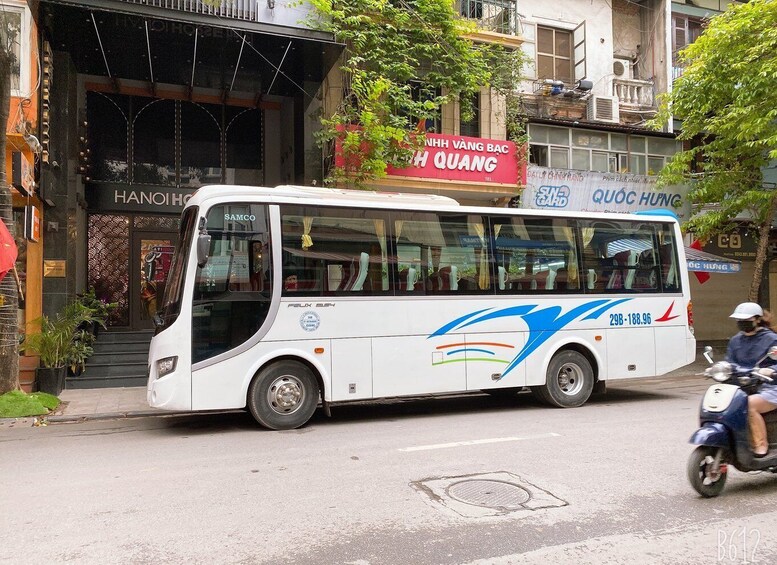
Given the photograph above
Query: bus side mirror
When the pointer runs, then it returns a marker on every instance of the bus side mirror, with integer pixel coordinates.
(203, 249)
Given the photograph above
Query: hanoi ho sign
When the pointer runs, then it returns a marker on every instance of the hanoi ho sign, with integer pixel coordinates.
(137, 198)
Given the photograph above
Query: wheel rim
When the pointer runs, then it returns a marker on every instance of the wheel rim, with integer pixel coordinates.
(706, 477)
(286, 394)
(570, 379)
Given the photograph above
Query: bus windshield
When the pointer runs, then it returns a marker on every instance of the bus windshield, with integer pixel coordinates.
(171, 302)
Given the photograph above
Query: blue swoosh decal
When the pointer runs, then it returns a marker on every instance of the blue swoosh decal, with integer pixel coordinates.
(542, 324)
(545, 323)
(449, 326)
(504, 313)
(603, 309)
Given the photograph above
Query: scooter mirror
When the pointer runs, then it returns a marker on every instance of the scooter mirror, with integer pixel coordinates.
(708, 354)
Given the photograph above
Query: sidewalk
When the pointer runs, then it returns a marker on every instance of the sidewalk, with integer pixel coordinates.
(103, 403)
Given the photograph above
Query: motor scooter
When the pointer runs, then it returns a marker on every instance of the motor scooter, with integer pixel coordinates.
(723, 436)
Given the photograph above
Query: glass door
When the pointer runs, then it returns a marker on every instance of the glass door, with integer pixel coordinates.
(150, 264)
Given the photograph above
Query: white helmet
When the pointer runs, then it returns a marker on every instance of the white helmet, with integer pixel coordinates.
(747, 310)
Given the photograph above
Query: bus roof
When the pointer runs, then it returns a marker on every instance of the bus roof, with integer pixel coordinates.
(317, 192)
(397, 200)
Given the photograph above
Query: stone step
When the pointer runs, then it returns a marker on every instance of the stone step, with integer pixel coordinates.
(100, 370)
(110, 357)
(87, 381)
(124, 336)
(117, 347)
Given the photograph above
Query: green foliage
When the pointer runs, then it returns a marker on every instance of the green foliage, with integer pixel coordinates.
(18, 404)
(59, 342)
(727, 101)
(389, 44)
(100, 309)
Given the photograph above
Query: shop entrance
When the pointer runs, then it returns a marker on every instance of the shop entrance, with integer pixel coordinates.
(150, 257)
(128, 262)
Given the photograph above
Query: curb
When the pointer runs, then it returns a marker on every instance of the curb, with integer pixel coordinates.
(64, 418)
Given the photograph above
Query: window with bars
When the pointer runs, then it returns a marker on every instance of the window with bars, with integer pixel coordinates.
(141, 140)
(492, 15)
(16, 31)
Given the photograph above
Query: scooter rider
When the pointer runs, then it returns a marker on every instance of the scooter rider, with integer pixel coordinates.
(746, 349)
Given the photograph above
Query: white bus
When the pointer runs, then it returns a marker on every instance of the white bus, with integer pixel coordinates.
(281, 298)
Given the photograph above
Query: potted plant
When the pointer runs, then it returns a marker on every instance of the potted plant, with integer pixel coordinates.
(58, 345)
(80, 351)
(100, 310)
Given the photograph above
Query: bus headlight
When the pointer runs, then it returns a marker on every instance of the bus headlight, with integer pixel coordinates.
(166, 366)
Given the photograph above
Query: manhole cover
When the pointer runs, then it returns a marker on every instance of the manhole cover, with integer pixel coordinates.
(490, 494)
(487, 494)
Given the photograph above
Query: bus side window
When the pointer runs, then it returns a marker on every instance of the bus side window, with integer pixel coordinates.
(647, 271)
(669, 268)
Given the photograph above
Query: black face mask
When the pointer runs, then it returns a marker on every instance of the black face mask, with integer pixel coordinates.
(746, 325)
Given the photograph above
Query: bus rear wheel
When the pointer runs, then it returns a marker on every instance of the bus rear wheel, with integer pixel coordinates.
(283, 395)
(569, 381)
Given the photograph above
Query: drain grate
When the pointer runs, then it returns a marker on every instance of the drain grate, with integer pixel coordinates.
(491, 494)
(487, 494)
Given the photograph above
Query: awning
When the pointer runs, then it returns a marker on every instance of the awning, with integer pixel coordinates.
(701, 262)
(142, 41)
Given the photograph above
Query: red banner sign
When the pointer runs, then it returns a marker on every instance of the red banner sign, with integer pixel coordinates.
(469, 159)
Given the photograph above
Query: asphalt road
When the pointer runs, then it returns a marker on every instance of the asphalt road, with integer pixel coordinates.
(385, 484)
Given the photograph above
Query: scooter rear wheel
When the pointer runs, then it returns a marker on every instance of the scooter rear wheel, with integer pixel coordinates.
(699, 466)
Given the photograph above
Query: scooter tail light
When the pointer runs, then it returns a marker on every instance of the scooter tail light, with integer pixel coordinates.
(690, 316)
(723, 468)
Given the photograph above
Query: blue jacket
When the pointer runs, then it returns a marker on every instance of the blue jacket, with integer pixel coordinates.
(747, 350)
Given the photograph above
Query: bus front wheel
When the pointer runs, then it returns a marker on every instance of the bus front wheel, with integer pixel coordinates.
(569, 381)
(283, 395)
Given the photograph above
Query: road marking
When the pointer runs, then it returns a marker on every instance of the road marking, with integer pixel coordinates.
(476, 442)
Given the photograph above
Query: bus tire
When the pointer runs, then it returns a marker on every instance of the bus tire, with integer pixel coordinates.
(569, 381)
(283, 395)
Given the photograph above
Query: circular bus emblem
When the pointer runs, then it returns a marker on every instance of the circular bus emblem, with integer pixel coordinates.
(310, 321)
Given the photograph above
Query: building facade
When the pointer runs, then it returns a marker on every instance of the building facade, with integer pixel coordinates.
(136, 104)
(150, 100)
(600, 68)
(23, 154)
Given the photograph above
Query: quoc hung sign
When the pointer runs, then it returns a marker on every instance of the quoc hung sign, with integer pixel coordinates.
(586, 191)
(468, 159)
(137, 198)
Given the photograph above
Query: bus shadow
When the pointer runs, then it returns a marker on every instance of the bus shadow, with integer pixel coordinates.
(392, 409)
(395, 408)
(203, 423)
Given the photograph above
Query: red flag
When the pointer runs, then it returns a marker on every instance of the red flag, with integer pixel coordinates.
(8, 251)
(702, 277)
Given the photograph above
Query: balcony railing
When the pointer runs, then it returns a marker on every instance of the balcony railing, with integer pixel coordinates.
(288, 13)
(232, 9)
(677, 72)
(633, 92)
(499, 16)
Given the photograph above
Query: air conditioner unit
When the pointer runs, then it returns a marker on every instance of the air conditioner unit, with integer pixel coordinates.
(603, 109)
(622, 68)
